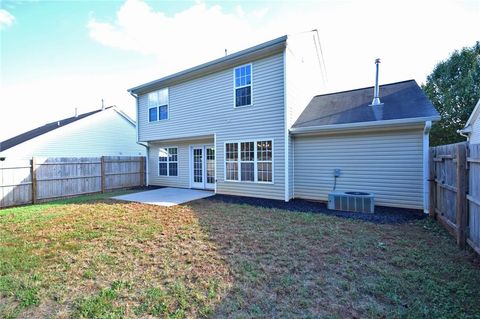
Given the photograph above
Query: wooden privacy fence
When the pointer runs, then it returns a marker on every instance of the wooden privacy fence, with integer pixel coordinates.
(455, 191)
(42, 179)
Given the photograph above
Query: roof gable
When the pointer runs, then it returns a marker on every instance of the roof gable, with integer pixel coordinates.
(475, 113)
(36, 132)
(401, 100)
(244, 56)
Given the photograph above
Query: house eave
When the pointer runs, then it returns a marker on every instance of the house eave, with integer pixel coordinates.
(362, 125)
(247, 55)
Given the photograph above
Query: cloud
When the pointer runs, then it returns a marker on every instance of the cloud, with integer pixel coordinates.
(6, 19)
(194, 35)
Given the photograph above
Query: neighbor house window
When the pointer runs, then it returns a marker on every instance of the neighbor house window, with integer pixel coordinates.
(243, 85)
(158, 105)
(249, 161)
(168, 161)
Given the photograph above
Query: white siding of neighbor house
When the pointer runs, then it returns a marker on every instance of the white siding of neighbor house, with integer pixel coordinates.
(205, 106)
(475, 135)
(104, 133)
(303, 81)
(387, 163)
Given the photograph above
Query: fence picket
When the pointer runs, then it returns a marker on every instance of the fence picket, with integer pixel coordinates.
(44, 179)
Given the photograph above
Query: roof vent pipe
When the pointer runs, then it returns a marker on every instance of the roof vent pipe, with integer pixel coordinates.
(376, 89)
(76, 112)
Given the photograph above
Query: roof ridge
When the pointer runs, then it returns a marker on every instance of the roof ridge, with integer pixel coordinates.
(43, 129)
(364, 88)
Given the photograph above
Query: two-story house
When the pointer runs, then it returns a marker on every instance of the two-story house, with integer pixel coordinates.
(250, 124)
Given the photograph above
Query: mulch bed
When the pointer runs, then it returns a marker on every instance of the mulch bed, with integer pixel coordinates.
(382, 215)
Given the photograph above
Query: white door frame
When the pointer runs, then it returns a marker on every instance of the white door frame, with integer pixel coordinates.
(203, 184)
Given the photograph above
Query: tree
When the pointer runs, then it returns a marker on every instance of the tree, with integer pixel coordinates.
(454, 89)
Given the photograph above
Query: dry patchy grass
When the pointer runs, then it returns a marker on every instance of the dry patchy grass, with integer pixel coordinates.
(98, 258)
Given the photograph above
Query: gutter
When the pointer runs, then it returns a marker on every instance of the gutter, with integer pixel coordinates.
(426, 165)
(147, 148)
(361, 125)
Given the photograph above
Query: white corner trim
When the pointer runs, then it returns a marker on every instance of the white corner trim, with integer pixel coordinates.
(426, 168)
(286, 132)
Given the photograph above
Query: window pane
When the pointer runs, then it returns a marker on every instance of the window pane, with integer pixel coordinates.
(162, 155)
(231, 151)
(172, 154)
(243, 96)
(247, 151)
(162, 169)
(163, 97)
(264, 172)
(247, 172)
(153, 99)
(152, 114)
(264, 150)
(173, 169)
(163, 112)
(232, 171)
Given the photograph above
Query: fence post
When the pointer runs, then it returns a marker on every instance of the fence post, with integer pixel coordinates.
(102, 169)
(142, 171)
(432, 197)
(33, 173)
(461, 212)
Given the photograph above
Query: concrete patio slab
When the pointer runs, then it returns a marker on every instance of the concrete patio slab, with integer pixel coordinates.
(168, 196)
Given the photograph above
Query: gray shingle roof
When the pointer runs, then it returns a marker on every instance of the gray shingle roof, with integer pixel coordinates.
(11, 142)
(401, 100)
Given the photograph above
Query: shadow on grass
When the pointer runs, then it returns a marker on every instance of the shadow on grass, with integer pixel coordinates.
(306, 265)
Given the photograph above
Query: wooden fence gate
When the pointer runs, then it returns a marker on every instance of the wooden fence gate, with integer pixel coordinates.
(455, 191)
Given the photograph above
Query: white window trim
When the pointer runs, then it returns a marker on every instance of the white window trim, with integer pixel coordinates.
(251, 87)
(256, 181)
(168, 162)
(158, 106)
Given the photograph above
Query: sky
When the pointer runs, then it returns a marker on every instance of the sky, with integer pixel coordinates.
(56, 56)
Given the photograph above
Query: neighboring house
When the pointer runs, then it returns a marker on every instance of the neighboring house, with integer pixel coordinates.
(472, 128)
(246, 124)
(107, 131)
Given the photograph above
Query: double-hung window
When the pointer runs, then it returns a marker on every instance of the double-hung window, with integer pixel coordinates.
(158, 105)
(249, 161)
(243, 85)
(231, 161)
(168, 161)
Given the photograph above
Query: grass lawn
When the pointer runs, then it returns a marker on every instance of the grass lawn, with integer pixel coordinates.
(93, 257)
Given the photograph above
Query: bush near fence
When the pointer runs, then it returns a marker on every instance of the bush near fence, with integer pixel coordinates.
(41, 179)
(455, 191)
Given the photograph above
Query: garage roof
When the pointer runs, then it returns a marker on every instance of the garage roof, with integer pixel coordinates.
(401, 101)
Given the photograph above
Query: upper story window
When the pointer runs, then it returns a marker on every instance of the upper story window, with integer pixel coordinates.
(243, 85)
(158, 105)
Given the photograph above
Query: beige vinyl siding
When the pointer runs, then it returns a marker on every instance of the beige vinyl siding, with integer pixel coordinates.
(387, 163)
(205, 106)
(183, 151)
(475, 135)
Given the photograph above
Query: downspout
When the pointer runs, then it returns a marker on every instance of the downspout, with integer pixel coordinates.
(467, 136)
(426, 168)
(147, 148)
